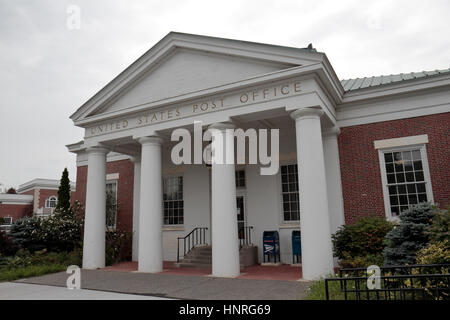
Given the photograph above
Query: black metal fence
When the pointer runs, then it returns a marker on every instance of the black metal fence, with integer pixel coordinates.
(413, 282)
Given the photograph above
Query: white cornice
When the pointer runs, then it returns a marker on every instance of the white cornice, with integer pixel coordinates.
(16, 198)
(50, 184)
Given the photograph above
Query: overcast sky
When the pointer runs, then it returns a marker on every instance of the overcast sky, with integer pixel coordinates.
(47, 71)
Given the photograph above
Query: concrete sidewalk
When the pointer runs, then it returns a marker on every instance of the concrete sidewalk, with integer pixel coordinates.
(24, 291)
(179, 286)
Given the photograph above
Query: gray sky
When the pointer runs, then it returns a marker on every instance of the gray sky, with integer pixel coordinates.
(47, 71)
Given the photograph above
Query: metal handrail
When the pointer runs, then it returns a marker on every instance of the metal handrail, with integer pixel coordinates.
(193, 238)
(246, 240)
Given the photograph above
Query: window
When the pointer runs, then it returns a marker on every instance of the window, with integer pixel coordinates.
(289, 187)
(405, 178)
(111, 204)
(51, 202)
(173, 200)
(6, 221)
(240, 178)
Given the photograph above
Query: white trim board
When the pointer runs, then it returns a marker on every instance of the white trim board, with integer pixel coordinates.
(400, 142)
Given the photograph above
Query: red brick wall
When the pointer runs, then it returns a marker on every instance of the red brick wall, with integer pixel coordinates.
(16, 211)
(44, 194)
(360, 168)
(125, 168)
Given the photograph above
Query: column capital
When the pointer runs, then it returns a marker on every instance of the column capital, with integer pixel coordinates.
(306, 113)
(151, 140)
(97, 150)
(221, 126)
(135, 159)
(332, 132)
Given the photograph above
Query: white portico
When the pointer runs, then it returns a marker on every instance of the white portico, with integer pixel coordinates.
(224, 84)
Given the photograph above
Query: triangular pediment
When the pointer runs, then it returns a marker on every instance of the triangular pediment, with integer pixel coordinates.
(180, 64)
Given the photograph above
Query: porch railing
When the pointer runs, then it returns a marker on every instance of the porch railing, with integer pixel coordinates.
(245, 236)
(192, 239)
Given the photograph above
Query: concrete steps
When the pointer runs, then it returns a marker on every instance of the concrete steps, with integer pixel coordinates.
(201, 257)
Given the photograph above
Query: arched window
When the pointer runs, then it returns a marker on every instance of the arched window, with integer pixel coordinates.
(51, 202)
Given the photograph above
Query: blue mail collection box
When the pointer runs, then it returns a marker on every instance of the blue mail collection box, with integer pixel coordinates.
(296, 246)
(271, 246)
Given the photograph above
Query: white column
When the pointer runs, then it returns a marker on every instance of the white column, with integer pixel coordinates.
(95, 216)
(333, 175)
(136, 200)
(317, 258)
(225, 245)
(150, 206)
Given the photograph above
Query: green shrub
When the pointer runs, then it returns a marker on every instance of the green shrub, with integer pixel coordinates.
(118, 244)
(25, 233)
(405, 239)
(439, 229)
(7, 247)
(361, 261)
(60, 232)
(362, 243)
(435, 253)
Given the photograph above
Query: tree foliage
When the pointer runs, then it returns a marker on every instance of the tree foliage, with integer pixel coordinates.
(438, 231)
(409, 236)
(361, 243)
(60, 232)
(63, 204)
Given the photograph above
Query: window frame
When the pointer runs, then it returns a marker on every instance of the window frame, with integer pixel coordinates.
(238, 179)
(7, 224)
(425, 168)
(171, 176)
(281, 202)
(48, 200)
(116, 183)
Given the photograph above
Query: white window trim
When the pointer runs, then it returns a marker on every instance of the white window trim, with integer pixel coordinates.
(116, 182)
(8, 223)
(47, 202)
(283, 222)
(173, 227)
(426, 173)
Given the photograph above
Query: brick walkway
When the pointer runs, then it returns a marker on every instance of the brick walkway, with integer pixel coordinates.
(282, 272)
(280, 283)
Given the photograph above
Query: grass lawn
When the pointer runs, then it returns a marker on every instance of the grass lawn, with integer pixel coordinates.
(317, 291)
(29, 271)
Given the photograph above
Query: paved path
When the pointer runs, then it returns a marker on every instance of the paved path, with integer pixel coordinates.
(180, 286)
(24, 291)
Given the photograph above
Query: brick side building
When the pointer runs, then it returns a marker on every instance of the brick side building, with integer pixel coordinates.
(35, 197)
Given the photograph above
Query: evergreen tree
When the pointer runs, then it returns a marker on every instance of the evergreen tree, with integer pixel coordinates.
(63, 204)
(409, 236)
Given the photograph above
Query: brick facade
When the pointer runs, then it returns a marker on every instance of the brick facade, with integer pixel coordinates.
(16, 211)
(360, 168)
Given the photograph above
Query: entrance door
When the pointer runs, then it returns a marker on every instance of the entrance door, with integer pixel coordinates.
(240, 204)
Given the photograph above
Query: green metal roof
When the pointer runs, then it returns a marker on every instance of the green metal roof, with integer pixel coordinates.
(367, 82)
